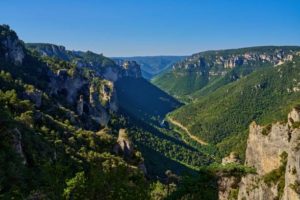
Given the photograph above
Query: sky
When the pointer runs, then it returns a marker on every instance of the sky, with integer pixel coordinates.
(154, 27)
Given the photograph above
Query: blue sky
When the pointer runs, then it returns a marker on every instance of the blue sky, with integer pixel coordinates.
(154, 27)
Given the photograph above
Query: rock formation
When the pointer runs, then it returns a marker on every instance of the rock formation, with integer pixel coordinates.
(274, 151)
(227, 186)
(66, 85)
(218, 62)
(52, 50)
(13, 47)
(131, 69)
(124, 145)
(103, 67)
(293, 116)
(232, 158)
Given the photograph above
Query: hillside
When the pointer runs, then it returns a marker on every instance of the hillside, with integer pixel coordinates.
(56, 142)
(136, 101)
(205, 72)
(146, 106)
(222, 117)
(78, 57)
(153, 65)
(74, 123)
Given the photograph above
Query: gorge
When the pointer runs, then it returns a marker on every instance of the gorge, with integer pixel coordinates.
(79, 125)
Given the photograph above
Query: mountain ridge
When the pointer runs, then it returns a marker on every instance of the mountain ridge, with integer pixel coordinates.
(216, 68)
(153, 65)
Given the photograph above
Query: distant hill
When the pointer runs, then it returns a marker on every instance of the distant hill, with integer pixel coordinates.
(153, 65)
(206, 71)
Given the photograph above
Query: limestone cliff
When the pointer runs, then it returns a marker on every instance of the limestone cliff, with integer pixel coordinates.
(274, 151)
(103, 66)
(11, 47)
(218, 61)
(62, 83)
(124, 145)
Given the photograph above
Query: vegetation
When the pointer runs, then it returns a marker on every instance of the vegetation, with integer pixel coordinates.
(44, 153)
(267, 129)
(49, 151)
(71, 56)
(202, 73)
(223, 117)
(59, 156)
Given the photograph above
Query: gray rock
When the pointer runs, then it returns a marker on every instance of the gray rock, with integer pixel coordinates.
(14, 50)
(123, 146)
(263, 153)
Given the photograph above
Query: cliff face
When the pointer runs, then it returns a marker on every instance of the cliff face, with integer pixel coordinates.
(274, 151)
(94, 94)
(53, 51)
(59, 127)
(197, 75)
(102, 65)
(11, 47)
(220, 60)
(130, 69)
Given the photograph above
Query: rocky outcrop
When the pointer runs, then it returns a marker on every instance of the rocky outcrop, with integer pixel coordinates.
(218, 63)
(15, 51)
(293, 116)
(50, 50)
(232, 158)
(76, 88)
(292, 173)
(11, 47)
(66, 85)
(274, 151)
(131, 69)
(233, 62)
(227, 187)
(102, 66)
(108, 95)
(228, 184)
(126, 69)
(102, 100)
(123, 146)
